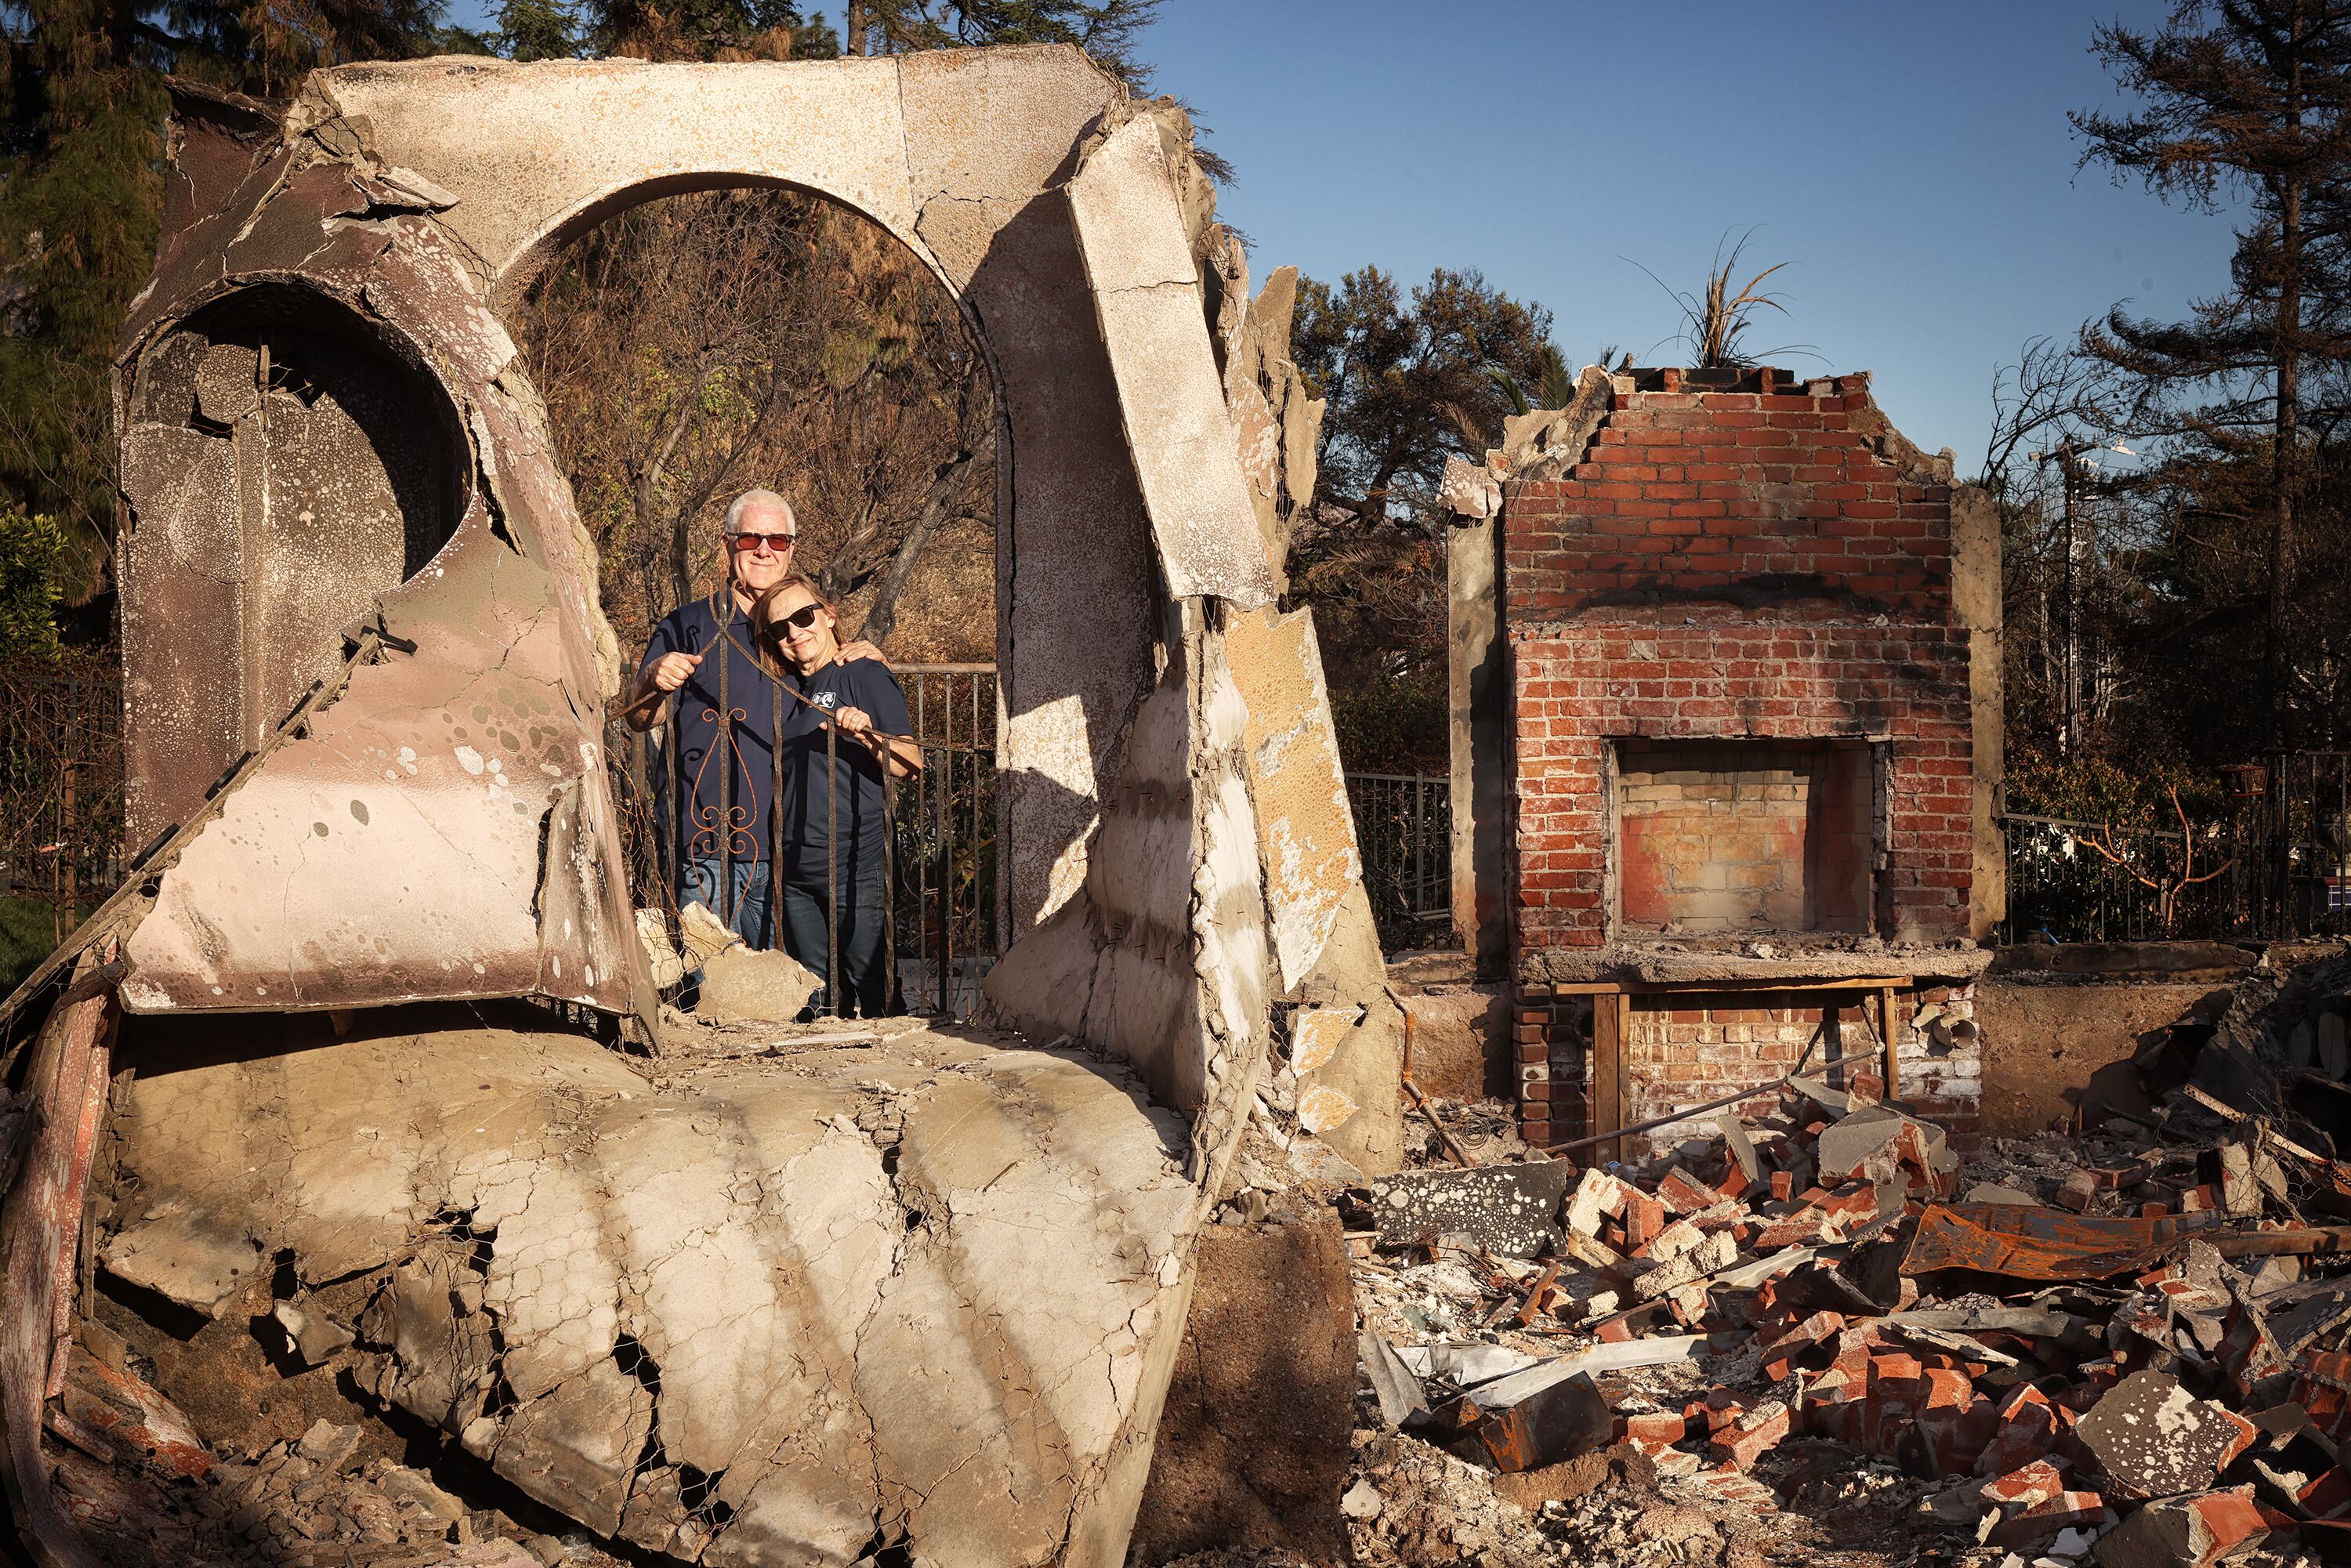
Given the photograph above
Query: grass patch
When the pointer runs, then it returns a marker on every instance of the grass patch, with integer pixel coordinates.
(28, 934)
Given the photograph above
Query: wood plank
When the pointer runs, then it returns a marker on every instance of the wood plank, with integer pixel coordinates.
(1599, 1095)
(1886, 1034)
(1860, 983)
(70, 1072)
(1624, 1064)
(1657, 988)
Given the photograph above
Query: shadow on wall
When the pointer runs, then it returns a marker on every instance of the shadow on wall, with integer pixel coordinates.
(2058, 1045)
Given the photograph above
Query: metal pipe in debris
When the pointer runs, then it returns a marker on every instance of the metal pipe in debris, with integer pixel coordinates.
(1655, 1121)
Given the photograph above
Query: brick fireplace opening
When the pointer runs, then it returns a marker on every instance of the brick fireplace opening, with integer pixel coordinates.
(1726, 837)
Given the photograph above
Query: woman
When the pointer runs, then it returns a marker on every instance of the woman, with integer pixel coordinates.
(843, 805)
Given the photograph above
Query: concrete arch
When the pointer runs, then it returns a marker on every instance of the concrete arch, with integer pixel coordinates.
(958, 155)
(428, 192)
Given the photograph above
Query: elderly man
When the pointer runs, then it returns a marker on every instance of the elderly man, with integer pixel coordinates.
(727, 717)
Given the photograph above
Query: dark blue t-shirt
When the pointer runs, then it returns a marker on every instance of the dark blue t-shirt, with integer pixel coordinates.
(859, 820)
(725, 772)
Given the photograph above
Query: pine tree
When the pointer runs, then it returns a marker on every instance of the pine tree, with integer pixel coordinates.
(82, 110)
(538, 30)
(1106, 29)
(2246, 99)
(707, 30)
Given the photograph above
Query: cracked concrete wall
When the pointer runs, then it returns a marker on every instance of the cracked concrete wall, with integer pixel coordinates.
(1147, 287)
(916, 1293)
(715, 1328)
(1347, 1037)
(473, 760)
(1161, 956)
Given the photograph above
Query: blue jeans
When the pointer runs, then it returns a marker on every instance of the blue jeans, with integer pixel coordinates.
(864, 927)
(754, 914)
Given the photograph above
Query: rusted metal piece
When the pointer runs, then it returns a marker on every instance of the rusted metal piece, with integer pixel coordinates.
(1459, 1155)
(130, 902)
(1556, 1421)
(42, 1222)
(2047, 1244)
(123, 1408)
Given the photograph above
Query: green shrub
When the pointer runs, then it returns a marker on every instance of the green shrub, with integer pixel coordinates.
(32, 545)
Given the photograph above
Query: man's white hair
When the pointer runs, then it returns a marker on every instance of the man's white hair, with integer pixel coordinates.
(758, 501)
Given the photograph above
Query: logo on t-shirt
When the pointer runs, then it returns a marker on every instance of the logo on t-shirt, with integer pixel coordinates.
(827, 700)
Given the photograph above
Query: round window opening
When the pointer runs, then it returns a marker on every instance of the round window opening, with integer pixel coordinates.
(359, 449)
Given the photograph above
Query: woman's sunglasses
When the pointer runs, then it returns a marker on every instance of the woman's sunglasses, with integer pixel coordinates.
(801, 618)
(779, 543)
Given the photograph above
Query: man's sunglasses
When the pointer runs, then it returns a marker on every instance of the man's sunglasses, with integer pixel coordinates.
(801, 618)
(778, 543)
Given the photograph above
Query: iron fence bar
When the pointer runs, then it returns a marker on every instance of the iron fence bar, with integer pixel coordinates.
(723, 754)
(776, 819)
(831, 873)
(942, 837)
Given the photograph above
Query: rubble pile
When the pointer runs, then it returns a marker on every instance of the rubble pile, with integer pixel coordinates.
(146, 1490)
(1819, 1331)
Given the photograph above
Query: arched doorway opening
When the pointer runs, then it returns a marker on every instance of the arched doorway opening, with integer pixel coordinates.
(696, 344)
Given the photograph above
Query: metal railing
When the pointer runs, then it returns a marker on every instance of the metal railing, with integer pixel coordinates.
(944, 855)
(61, 781)
(1403, 825)
(942, 893)
(2061, 887)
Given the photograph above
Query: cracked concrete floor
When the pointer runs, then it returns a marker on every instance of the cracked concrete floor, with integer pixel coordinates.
(793, 1307)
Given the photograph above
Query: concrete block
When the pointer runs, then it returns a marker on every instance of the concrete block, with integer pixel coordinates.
(2150, 1438)
(1511, 1210)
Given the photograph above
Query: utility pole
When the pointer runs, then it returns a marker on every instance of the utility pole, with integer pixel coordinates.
(854, 43)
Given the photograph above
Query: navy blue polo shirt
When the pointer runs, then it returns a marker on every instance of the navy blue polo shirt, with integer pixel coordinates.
(856, 779)
(725, 772)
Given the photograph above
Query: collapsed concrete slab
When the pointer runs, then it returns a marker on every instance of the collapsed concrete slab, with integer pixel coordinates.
(922, 1292)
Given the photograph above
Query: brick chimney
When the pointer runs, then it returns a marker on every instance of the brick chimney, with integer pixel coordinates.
(1751, 738)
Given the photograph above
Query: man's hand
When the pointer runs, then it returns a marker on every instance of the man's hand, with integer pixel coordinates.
(861, 649)
(854, 721)
(672, 670)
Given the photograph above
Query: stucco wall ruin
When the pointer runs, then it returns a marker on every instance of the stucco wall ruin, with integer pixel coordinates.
(322, 349)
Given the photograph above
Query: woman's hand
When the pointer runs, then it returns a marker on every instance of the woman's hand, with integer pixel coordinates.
(672, 670)
(854, 721)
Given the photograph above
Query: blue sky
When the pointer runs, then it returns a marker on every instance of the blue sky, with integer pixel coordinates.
(1911, 162)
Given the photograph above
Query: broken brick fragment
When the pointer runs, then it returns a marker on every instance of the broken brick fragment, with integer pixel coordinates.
(1805, 1227)
(2194, 1531)
(1780, 1356)
(2024, 1486)
(2028, 1430)
(1954, 1421)
(2039, 1525)
(1655, 1428)
(1683, 1194)
(1753, 1435)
